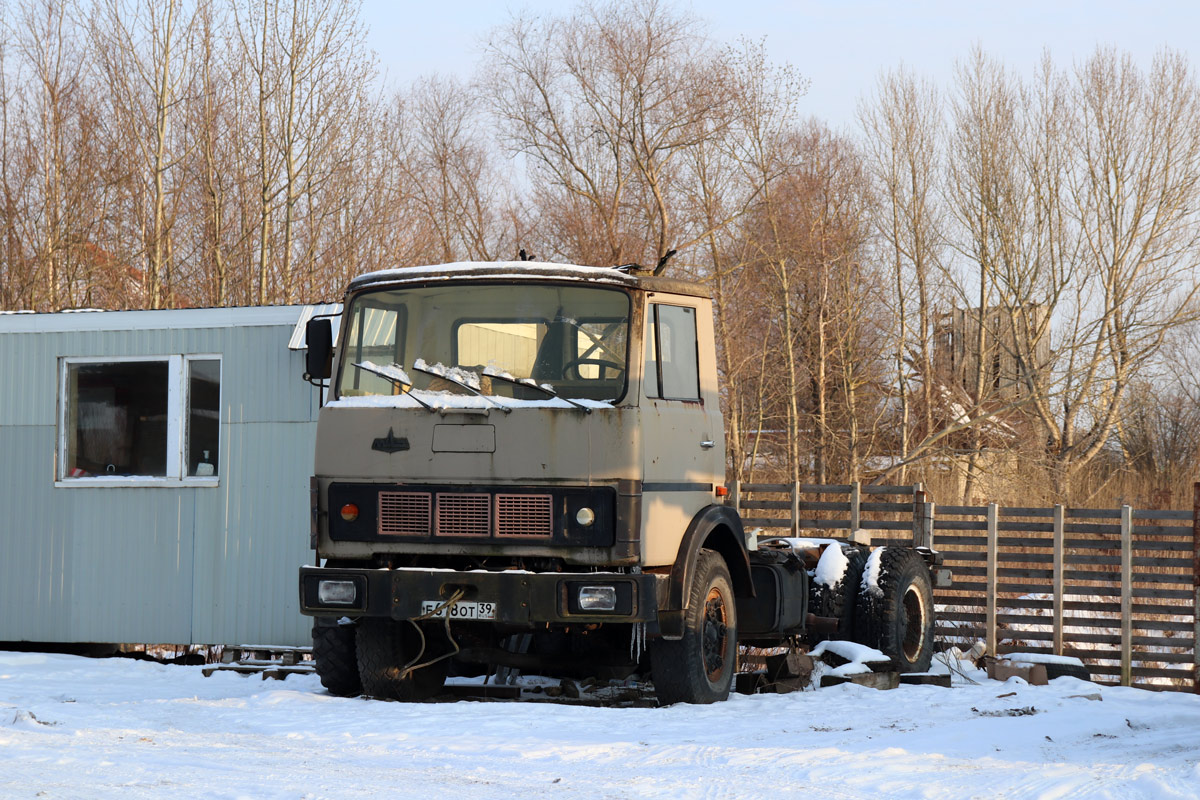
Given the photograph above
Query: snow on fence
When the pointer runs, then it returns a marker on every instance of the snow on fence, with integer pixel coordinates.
(1119, 588)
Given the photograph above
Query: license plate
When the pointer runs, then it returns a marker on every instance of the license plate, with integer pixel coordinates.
(461, 609)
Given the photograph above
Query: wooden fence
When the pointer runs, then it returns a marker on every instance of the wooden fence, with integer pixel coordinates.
(1119, 588)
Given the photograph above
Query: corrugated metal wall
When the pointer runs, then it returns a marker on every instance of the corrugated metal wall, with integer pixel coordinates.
(173, 564)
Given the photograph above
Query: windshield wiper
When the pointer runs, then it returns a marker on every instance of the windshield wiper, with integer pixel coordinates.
(448, 374)
(394, 373)
(532, 384)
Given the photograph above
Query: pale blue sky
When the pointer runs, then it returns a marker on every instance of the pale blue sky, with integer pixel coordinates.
(840, 46)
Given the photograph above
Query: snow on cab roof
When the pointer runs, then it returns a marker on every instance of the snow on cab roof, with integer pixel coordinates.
(496, 269)
(525, 270)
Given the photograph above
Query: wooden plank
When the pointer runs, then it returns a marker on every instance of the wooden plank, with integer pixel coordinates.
(1157, 658)
(1196, 587)
(1113, 544)
(795, 511)
(825, 488)
(991, 577)
(771, 505)
(765, 522)
(866, 525)
(876, 680)
(963, 511)
(815, 505)
(766, 487)
(1058, 579)
(946, 540)
(961, 524)
(900, 491)
(925, 679)
(1146, 514)
(1016, 511)
(1094, 513)
(855, 505)
(891, 508)
(1145, 672)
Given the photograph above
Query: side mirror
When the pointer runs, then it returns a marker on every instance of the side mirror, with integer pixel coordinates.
(318, 361)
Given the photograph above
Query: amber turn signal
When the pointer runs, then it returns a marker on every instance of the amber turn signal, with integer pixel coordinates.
(722, 491)
(349, 512)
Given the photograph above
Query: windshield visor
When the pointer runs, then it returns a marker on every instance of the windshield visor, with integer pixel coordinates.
(572, 340)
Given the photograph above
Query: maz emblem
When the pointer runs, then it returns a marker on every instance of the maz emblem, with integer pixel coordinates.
(390, 444)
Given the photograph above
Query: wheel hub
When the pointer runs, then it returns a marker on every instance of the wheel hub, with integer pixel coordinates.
(715, 635)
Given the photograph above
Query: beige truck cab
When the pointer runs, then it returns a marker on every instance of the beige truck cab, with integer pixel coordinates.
(522, 464)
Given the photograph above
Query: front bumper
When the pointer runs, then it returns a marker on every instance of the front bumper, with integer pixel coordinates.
(522, 599)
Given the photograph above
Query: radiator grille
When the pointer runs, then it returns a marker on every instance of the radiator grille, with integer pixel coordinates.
(464, 514)
(404, 513)
(524, 515)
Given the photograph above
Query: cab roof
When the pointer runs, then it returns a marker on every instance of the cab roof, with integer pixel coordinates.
(532, 271)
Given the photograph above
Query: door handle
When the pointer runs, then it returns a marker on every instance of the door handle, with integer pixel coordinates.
(708, 444)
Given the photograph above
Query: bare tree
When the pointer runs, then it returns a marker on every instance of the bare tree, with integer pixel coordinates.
(903, 133)
(601, 105)
(144, 51)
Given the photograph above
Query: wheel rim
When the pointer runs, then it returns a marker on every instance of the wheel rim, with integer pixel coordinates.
(913, 619)
(716, 634)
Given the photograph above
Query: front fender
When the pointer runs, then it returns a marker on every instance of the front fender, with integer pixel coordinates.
(716, 528)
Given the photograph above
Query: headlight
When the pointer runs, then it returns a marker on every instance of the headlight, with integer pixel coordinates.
(336, 592)
(597, 598)
(585, 516)
(350, 512)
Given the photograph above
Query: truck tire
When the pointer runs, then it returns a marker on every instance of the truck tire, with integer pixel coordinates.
(335, 660)
(1067, 671)
(384, 646)
(839, 600)
(699, 667)
(895, 616)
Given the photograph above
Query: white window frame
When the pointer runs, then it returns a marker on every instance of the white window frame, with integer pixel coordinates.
(177, 412)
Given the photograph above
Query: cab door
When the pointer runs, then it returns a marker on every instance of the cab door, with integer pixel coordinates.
(682, 436)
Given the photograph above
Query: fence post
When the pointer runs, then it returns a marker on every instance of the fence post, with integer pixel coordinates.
(735, 496)
(922, 521)
(855, 506)
(1126, 595)
(796, 508)
(993, 536)
(1196, 587)
(1059, 583)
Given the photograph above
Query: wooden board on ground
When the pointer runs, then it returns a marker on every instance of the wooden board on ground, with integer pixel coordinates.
(876, 680)
(925, 679)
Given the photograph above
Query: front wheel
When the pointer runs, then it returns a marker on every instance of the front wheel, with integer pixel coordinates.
(334, 658)
(385, 648)
(699, 667)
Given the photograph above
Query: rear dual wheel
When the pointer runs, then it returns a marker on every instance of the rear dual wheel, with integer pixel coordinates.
(894, 614)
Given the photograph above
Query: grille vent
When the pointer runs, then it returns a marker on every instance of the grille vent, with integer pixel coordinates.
(404, 513)
(464, 514)
(524, 515)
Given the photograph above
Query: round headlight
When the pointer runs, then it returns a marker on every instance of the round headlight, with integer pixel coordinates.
(349, 512)
(585, 516)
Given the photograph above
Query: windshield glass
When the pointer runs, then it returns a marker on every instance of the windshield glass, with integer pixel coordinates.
(571, 340)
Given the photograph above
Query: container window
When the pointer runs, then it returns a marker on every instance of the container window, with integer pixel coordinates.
(139, 419)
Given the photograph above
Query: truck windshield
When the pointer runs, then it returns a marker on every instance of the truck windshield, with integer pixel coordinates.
(571, 339)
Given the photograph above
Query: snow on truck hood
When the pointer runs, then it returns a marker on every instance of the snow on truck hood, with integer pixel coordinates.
(449, 401)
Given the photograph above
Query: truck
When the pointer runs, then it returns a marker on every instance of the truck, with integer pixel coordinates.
(521, 466)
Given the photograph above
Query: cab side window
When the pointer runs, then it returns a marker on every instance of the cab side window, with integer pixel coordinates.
(672, 366)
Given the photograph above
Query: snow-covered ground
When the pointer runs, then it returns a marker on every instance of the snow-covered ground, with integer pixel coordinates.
(78, 728)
